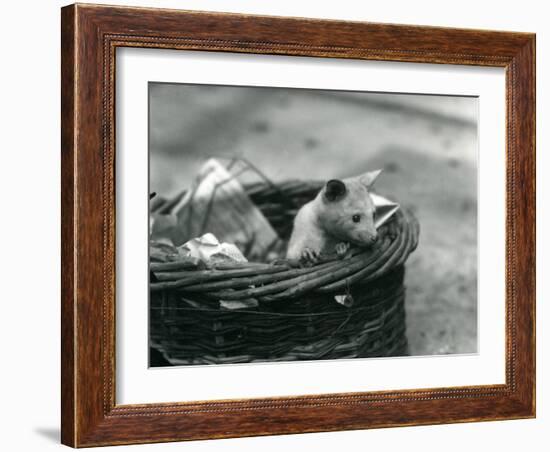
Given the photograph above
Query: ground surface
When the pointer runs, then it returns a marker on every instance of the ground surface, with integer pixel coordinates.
(426, 145)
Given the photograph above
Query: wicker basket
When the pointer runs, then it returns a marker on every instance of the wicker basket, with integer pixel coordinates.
(295, 315)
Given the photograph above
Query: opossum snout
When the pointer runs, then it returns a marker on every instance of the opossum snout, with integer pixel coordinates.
(366, 238)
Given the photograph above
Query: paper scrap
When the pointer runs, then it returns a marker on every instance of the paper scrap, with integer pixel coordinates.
(208, 248)
(219, 204)
(385, 209)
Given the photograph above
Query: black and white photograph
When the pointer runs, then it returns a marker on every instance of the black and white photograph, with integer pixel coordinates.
(303, 224)
(235, 225)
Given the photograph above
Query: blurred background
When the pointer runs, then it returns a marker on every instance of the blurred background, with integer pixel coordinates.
(427, 146)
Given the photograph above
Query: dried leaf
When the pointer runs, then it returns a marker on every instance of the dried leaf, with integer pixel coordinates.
(344, 300)
(239, 304)
(162, 251)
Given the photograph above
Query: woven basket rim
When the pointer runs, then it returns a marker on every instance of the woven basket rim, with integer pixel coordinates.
(285, 279)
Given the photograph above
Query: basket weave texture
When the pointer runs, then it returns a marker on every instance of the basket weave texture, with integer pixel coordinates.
(285, 312)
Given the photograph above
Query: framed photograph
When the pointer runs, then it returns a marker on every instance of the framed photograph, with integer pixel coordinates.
(281, 225)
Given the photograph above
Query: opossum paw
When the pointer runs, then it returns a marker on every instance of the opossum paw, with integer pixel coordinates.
(342, 248)
(309, 256)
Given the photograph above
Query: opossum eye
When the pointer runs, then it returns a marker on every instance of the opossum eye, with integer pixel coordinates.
(356, 218)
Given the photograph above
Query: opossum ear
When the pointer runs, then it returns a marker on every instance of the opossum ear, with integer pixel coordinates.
(334, 190)
(369, 178)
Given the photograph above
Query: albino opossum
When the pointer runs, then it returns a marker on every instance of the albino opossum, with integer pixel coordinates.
(342, 214)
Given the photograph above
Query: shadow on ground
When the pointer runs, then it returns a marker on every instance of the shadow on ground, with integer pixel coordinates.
(50, 433)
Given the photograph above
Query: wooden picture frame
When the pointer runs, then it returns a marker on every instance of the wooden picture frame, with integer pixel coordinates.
(90, 36)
